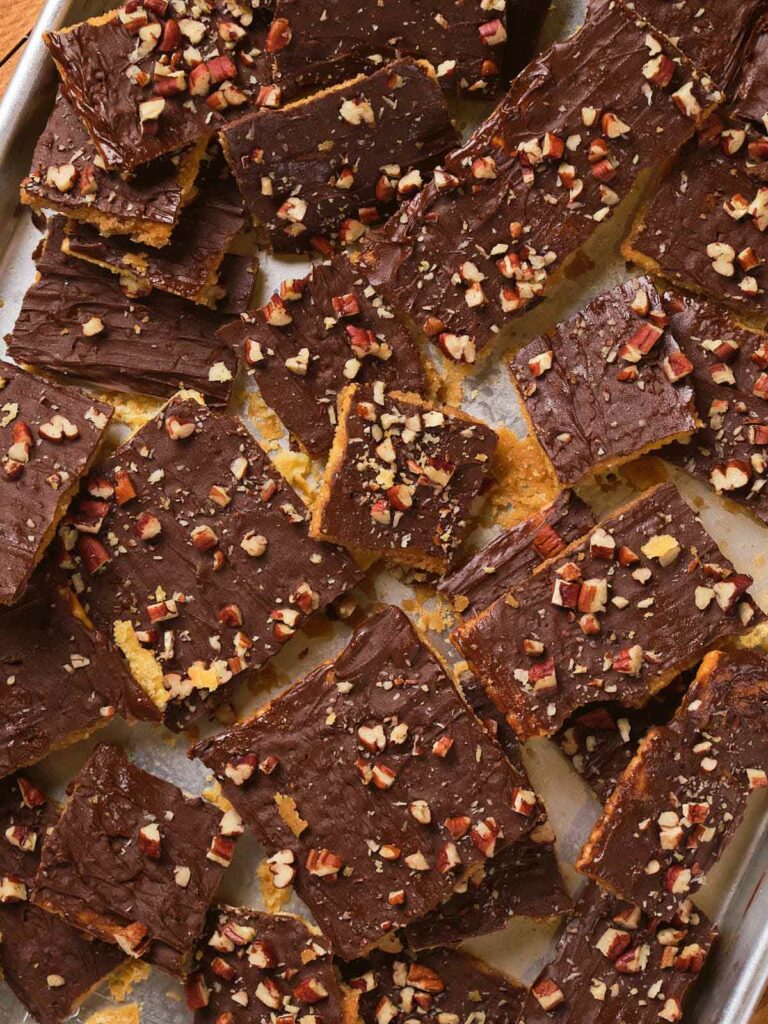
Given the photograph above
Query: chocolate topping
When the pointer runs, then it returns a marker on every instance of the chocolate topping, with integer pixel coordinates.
(345, 329)
(752, 96)
(615, 617)
(572, 138)
(441, 985)
(605, 385)
(59, 679)
(614, 963)
(66, 176)
(140, 85)
(515, 553)
(428, 797)
(48, 965)
(49, 436)
(213, 570)
(113, 865)
(465, 45)
(319, 171)
(682, 798)
(251, 965)
(731, 392)
(154, 344)
(402, 477)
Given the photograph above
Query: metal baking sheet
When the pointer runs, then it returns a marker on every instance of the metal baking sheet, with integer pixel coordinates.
(736, 893)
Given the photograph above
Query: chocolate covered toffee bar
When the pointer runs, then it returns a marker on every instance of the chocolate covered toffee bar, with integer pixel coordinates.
(683, 796)
(49, 436)
(614, 963)
(319, 171)
(49, 966)
(577, 132)
(402, 478)
(134, 862)
(606, 385)
(616, 616)
(194, 556)
(428, 797)
(313, 337)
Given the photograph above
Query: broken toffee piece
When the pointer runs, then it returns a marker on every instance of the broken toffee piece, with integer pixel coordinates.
(730, 385)
(402, 477)
(682, 798)
(194, 557)
(147, 84)
(251, 965)
(77, 320)
(67, 175)
(465, 45)
(49, 436)
(134, 862)
(313, 337)
(751, 103)
(515, 553)
(616, 616)
(606, 385)
(613, 962)
(60, 680)
(319, 171)
(49, 965)
(579, 130)
(428, 796)
(435, 986)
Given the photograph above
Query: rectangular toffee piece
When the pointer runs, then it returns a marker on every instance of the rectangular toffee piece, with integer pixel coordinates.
(703, 229)
(402, 478)
(251, 966)
(318, 171)
(429, 797)
(313, 337)
(150, 867)
(49, 966)
(49, 437)
(615, 963)
(515, 553)
(193, 555)
(148, 83)
(730, 384)
(616, 616)
(61, 679)
(77, 320)
(466, 45)
(580, 129)
(68, 176)
(606, 385)
(681, 799)
(442, 985)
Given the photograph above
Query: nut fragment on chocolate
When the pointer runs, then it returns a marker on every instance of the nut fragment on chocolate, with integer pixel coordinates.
(68, 176)
(77, 319)
(49, 965)
(428, 796)
(49, 436)
(348, 333)
(616, 616)
(613, 962)
(730, 386)
(109, 865)
(250, 966)
(682, 797)
(192, 554)
(441, 985)
(402, 478)
(515, 553)
(148, 79)
(578, 131)
(322, 170)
